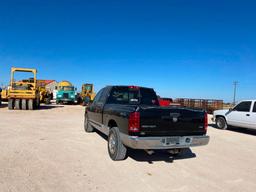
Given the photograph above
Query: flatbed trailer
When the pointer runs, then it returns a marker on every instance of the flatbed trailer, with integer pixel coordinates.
(208, 105)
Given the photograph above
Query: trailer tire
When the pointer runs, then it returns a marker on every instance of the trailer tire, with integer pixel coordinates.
(17, 104)
(31, 104)
(87, 127)
(116, 149)
(24, 104)
(10, 104)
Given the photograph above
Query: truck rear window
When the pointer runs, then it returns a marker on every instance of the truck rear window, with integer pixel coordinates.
(126, 95)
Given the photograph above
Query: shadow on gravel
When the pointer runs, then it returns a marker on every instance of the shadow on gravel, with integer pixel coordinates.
(159, 155)
(142, 156)
(238, 130)
(213, 125)
(3, 105)
(46, 107)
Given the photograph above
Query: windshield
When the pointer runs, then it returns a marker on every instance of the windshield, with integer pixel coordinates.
(67, 88)
(88, 87)
(126, 95)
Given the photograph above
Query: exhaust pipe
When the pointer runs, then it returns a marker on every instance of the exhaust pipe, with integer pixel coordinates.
(174, 151)
(149, 152)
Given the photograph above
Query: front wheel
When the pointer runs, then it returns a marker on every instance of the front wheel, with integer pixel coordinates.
(116, 149)
(221, 123)
(17, 104)
(10, 104)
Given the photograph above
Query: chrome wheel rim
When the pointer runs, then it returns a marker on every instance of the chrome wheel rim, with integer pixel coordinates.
(112, 144)
(220, 123)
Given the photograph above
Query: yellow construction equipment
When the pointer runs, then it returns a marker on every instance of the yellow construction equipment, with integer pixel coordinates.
(87, 94)
(4, 95)
(23, 94)
(45, 96)
(64, 84)
(0, 96)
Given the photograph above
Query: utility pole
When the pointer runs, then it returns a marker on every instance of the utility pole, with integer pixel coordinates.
(235, 83)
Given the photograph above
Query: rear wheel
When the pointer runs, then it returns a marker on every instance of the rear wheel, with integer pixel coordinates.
(17, 104)
(10, 104)
(31, 105)
(37, 103)
(116, 149)
(47, 100)
(87, 127)
(24, 104)
(221, 123)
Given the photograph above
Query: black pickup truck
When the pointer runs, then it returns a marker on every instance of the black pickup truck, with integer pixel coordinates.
(131, 117)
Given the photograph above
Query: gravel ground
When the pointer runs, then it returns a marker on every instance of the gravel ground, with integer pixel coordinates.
(48, 150)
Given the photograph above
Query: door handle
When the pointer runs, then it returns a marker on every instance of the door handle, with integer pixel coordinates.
(247, 115)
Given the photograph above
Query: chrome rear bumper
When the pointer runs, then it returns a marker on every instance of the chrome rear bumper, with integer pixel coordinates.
(136, 142)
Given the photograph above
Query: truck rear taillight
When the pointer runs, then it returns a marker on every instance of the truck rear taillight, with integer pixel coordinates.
(134, 122)
(205, 121)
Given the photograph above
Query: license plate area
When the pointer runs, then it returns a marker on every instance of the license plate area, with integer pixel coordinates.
(170, 141)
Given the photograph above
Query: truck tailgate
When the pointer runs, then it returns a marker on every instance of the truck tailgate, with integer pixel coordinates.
(172, 121)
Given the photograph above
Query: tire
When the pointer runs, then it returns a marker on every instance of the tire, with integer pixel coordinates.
(116, 150)
(87, 127)
(31, 105)
(10, 104)
(17, 104)
(37, 103)
(221, 123)
(48, 100)
(24, 104)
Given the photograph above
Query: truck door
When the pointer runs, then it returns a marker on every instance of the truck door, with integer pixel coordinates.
(252, 117)
(95, 109)
(240, 115)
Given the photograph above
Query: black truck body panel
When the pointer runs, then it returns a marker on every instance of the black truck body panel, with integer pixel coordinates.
(154, 120)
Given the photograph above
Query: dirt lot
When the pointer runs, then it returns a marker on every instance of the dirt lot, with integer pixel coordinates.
(48, 150)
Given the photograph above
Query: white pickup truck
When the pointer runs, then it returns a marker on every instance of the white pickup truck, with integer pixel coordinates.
(242, 115)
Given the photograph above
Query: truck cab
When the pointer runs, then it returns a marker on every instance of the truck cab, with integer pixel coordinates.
(66, 93)
(242, 115)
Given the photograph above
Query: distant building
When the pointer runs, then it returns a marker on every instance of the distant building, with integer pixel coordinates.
(51, 85)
